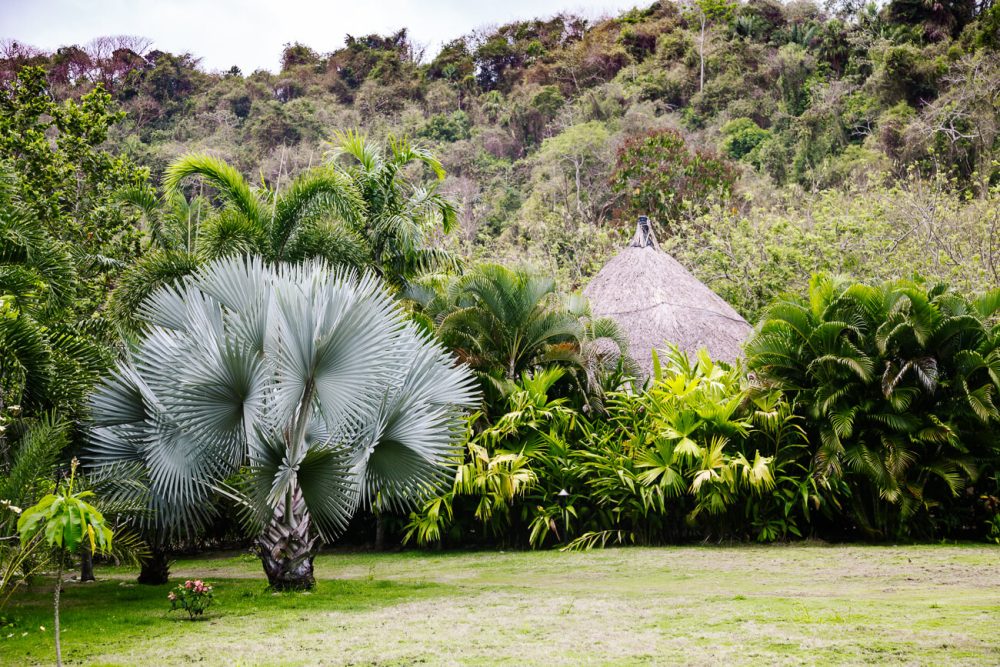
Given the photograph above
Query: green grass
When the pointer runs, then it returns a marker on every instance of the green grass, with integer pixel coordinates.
(801, 604)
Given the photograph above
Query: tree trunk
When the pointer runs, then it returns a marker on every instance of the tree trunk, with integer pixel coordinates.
(155, 570)
(701, 54)
(379, 532)
(59, 573)
(286, 550)
(87, 564)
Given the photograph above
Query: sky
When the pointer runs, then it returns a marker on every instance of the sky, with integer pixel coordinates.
(251, 33)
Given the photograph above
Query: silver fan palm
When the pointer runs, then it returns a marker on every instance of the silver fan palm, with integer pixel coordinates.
(309, 378)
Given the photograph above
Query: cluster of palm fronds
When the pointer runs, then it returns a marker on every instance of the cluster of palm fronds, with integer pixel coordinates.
(307, 379)
(505, 322)
(898, 385)
(358, 210)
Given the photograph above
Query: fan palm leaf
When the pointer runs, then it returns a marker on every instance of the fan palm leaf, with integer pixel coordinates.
(309, 378)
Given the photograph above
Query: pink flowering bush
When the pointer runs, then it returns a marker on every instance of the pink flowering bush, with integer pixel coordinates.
(193, 596)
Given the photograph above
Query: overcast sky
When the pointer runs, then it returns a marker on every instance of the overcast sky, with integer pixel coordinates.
(250, 33)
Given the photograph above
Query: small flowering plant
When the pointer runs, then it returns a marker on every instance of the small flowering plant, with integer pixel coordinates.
(193, 596)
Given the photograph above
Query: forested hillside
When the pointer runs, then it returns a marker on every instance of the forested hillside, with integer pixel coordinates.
(766, 140)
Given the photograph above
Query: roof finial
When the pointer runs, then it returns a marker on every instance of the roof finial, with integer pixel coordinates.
(644, 236)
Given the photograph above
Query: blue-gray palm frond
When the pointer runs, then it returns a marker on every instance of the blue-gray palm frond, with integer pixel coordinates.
(309, 377)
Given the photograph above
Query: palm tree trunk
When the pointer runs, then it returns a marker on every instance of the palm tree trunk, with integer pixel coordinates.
(59, 573)
(155, 571)
(86, 564)
(286, 549)
(379, 532)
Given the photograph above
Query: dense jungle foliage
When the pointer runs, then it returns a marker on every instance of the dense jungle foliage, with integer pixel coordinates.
(832, 171)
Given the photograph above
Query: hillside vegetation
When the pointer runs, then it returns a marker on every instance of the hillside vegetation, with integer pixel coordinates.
(853, 139)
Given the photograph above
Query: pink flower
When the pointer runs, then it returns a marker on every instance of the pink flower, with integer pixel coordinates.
(171, 597)
(188, 584)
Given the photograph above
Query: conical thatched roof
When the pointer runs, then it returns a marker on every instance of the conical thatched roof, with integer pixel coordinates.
(656, 301)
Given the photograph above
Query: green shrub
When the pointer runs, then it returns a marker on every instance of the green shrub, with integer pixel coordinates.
(447, 127)
(897, 383)
(701, 453)
(740, 136)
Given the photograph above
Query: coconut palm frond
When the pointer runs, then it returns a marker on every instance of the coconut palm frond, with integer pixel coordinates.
(232, 186)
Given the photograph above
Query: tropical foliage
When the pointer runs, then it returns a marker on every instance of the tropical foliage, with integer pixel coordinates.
(64, 521)
(401, 214)
(286, 297)
(47, 361)
(301, 221)
(897, 384)
(506, 322)
(701, 453)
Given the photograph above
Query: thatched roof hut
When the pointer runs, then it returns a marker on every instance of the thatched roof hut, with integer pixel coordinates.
(656, 301)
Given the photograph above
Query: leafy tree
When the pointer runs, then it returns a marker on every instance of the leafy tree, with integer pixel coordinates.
(938, 20)
(741, 136)
(570, 173)
(310, 380)
(451, 127)
(66, 520)
(68, 183)
(507, 322)
(659, 176)
(963, 123)
(707, 12)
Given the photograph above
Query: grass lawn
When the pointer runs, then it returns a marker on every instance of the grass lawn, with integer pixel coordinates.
(802, 604)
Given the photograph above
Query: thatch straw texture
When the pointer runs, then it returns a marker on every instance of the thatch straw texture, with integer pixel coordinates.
(656, 301)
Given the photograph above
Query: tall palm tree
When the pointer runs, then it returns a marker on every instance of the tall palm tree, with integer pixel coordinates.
(312, 217)
(401, 214)
(311, 379)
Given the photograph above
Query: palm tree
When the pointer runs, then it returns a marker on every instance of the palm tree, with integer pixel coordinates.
(310, 379)
(312, 217)
(898, 383)
(507, 321)
(359, 211)
(400, 215)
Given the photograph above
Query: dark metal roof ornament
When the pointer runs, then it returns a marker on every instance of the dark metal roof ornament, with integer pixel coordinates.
(644, 237)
